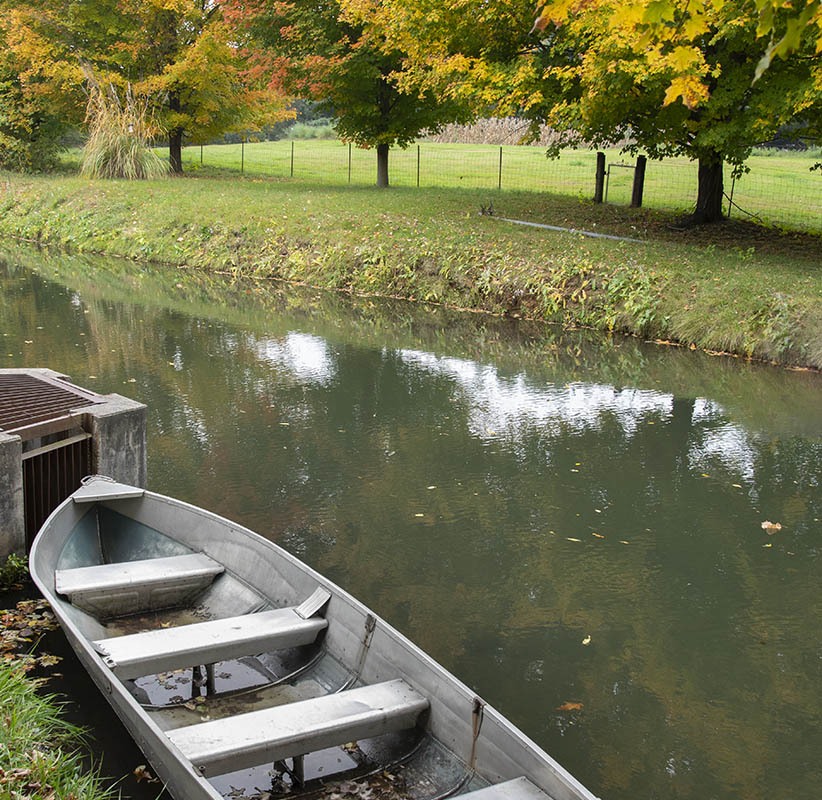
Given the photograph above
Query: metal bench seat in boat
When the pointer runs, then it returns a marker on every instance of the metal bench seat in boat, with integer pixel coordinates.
(517, 789)
(207, 642)
(126, 587)
(286, 731)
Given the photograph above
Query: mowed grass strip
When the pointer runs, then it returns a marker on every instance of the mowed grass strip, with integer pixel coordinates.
(731, 287)
(780, 189)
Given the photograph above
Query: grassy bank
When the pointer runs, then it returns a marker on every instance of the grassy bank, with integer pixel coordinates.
(40, 759)
(39, 749)
(734, 288)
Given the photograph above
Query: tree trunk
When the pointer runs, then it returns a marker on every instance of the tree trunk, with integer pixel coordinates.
(709, 197)
(175, 151)
(382, 165)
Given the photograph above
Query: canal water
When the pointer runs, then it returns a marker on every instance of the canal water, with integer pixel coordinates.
(571, 524)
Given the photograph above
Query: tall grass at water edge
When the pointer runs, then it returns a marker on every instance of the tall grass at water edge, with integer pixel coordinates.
(39, 755)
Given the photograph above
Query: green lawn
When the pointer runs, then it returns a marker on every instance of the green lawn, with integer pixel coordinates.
(779, 190)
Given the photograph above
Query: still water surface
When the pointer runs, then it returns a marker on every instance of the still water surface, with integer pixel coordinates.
(571, 525)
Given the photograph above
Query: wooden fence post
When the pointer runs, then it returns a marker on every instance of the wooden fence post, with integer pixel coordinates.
(639, 181)
(599, 189)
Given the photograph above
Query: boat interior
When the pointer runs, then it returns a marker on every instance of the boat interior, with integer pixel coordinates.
(245, 682)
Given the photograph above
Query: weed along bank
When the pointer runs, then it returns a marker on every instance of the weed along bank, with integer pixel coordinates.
(52, 434)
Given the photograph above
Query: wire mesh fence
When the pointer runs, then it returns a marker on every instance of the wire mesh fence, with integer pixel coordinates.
(779, 189)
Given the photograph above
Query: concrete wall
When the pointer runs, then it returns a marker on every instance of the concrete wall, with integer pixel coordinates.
(12, 521)
(118, 431)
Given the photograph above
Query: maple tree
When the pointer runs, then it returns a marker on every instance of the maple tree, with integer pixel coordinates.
(178, 53)
(707, 79)
(326, 52)
(30, 131)
(678, 78)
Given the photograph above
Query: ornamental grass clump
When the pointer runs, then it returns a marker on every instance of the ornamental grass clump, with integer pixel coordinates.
(120, 134)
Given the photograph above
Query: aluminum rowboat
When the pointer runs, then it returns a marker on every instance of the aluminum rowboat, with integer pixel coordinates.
(242, 673)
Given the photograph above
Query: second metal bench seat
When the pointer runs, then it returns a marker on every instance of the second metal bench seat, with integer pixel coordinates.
(207, 642)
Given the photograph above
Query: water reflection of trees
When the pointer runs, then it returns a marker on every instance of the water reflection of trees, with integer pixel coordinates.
(701, 676)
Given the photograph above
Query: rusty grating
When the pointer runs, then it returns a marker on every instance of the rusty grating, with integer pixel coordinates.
(26, 400)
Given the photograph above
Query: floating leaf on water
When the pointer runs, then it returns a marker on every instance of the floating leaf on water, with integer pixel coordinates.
(737, 485)
(142, 773)
(598, 535)
(586, 641)
(771, 527)
(570, 706)
(572, 539)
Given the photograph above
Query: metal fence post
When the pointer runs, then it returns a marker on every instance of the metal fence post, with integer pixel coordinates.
(418, 166)
(599, 189)
(499, 175)
(201, 155)
(242, 156)
(349, 162)
(292, 158)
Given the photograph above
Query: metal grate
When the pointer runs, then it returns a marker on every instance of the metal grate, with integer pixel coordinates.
(26, 400)
(50, 475)
(57, 451)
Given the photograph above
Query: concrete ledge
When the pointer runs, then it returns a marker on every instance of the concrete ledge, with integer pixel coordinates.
(12, 518)
(118, 436)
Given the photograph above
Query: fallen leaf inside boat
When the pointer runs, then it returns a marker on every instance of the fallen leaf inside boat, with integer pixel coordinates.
(570, 706)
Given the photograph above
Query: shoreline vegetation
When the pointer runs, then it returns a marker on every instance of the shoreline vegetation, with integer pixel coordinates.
(44, 755)
(732, 288)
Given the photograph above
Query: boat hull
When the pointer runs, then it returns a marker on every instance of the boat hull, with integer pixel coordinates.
(96, 527)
